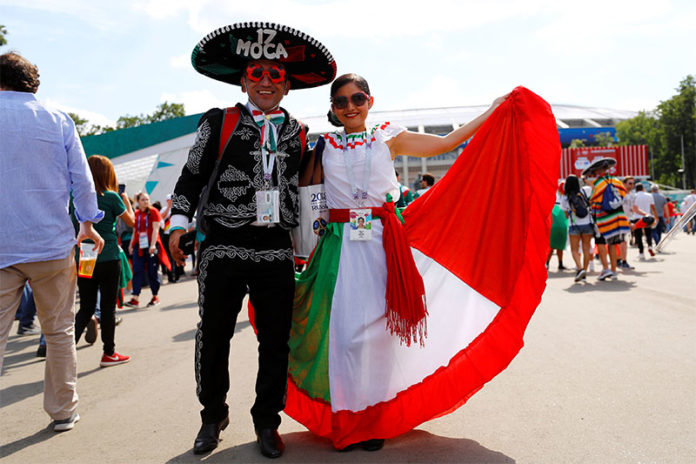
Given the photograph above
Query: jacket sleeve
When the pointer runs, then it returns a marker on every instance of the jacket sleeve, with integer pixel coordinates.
(199, 164)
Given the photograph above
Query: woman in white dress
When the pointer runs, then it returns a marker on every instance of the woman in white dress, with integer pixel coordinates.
(366, 352)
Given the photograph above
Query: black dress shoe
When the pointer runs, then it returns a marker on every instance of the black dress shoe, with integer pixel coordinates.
(270, 443)
(209, 436)
(372, 445)
(350, 447)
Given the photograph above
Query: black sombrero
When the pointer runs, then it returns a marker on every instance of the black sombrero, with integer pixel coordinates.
(599, 163)
(224, 53)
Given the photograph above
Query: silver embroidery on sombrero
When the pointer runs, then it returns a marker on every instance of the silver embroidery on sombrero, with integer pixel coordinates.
(265, 39)
(194, 159)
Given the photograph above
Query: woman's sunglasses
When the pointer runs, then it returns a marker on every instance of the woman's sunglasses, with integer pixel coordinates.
(358, 99)
(256, 72)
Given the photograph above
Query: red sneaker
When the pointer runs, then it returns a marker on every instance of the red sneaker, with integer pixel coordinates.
(154, 301)
(133, 303)
(114, 359)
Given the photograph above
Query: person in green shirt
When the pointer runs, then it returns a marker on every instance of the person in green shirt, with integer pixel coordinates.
(107, 271)
(405, 195)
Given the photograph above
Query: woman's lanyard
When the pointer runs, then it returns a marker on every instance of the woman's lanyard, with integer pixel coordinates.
(140, 221)
(359, 194)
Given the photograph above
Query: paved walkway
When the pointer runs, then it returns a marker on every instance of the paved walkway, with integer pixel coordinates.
(608, 375)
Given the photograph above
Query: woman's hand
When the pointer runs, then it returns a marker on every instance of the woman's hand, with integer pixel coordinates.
(152, 249)
(496, 103)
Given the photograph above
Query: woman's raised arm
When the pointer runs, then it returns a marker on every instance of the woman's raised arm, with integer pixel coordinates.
(428, 145)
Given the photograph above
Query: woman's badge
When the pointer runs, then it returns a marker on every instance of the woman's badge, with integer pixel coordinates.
(361, 224)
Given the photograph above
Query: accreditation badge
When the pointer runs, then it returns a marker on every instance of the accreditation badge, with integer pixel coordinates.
(267, 206)
(361, 224)
(143, 242)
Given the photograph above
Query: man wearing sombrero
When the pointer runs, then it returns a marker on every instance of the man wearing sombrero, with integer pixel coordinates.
(246, 160)
(606, 201)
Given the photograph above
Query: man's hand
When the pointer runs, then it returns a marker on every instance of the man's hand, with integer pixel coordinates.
(87, 232)
(177, 254)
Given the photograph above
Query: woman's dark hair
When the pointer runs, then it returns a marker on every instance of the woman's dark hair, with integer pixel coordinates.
(18, 74)
(572, 185)
(340, 82)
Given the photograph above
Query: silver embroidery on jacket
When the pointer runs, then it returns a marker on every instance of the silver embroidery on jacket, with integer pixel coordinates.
(194, 159)
(181, 203)
(233, 183)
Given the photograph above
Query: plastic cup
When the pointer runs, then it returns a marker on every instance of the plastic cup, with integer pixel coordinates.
(88, 260)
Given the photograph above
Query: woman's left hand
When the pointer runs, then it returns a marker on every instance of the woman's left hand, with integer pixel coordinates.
(496, 103)
(152, 249)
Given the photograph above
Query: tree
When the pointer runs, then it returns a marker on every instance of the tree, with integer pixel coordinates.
(163, 112)
(662, 130)
(604, 139)
(678, 118)
(167, 111)
(3, 33)
(80, 124)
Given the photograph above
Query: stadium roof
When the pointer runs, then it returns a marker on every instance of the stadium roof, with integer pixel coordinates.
(124, 141)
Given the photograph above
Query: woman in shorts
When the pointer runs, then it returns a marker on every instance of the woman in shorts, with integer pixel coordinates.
(581, 229)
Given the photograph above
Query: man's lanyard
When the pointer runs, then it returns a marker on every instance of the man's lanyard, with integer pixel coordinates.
(267, 160)
(359, 194)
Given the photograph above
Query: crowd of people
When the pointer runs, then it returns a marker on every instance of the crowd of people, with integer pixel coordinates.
(351, 347)
(603, 217)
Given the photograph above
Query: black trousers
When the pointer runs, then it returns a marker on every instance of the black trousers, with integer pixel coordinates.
(639, 233)
(257, 260)
(105, 280)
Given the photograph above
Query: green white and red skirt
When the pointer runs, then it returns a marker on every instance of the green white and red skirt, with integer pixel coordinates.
(350, 380)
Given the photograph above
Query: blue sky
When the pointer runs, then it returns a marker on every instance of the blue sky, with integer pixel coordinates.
(106, 59)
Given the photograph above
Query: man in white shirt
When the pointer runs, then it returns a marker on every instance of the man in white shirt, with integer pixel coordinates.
(644, 205)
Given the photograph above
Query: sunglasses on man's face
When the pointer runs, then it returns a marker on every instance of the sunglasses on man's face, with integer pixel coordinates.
(256, 72)
(358, 99)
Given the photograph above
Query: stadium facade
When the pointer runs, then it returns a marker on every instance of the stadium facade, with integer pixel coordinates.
(150, 157)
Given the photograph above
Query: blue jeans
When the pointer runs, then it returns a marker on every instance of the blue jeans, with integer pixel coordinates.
(26, 312)
(657, 231)
(140, 263)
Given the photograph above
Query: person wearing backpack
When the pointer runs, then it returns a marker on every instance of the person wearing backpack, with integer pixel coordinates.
(581, 230)
(606, 201)
(243, 168)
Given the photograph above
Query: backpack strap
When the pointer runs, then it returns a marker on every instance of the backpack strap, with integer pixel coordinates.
(230, 120)
(303, 138)
(319, 151)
